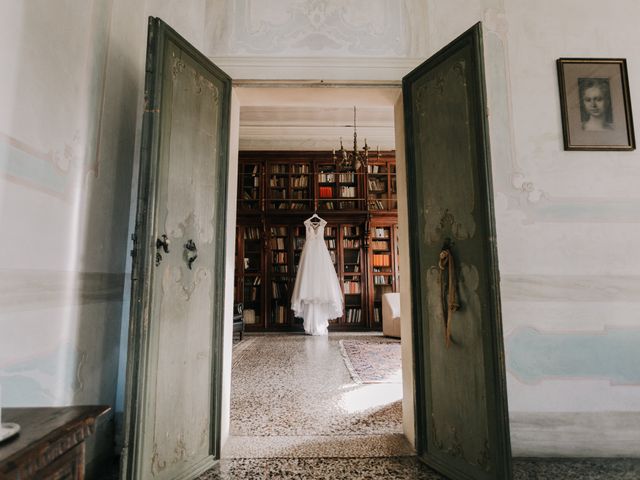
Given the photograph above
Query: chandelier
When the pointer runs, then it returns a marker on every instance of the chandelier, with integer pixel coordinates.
(345, 160)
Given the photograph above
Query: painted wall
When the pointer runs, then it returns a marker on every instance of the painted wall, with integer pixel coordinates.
(314, 40)
(567, 224)
(66, 131)
(68, 104)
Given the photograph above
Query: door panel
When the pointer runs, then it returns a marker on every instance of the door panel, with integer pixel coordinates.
(461, 412)
(174, 371)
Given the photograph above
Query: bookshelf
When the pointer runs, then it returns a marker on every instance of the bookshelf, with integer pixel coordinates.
(289, 186)
(383, 263)
(352, 273)
(382, 192)
(279, 276)
(249, 273)
(279, 190)
(250, 186)
(338, 190)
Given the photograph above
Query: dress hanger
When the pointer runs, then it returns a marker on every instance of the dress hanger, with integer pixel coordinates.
(315, 218)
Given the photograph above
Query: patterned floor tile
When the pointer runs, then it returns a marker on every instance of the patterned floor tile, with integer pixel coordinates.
(297, 414)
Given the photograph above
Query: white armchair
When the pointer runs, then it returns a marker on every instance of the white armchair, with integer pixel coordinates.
(391, 314)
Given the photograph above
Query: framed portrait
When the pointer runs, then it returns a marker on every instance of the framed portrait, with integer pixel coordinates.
(595, 104)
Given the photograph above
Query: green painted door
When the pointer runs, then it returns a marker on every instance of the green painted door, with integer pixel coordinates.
(461, 409)
(175, 351)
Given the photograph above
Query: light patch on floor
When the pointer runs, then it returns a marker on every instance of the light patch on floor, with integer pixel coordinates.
(370, 396)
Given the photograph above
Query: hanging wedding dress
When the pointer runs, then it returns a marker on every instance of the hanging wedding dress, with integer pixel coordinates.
(317, 296)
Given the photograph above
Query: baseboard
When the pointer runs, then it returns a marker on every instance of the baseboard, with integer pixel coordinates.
(575, 434)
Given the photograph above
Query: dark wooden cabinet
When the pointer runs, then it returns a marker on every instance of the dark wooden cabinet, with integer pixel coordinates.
(50, 443)
(277, 191)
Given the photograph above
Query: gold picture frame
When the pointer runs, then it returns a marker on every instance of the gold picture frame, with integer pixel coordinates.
(595, 104)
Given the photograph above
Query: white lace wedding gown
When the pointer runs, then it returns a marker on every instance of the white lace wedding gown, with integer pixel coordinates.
(317, 296)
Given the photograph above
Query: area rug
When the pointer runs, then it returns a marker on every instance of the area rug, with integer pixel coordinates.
(372, 361)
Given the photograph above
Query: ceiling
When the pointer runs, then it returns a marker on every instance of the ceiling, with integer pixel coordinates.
(314, 118)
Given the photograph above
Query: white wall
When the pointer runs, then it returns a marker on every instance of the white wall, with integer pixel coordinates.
(568, 231)
(67, 125)
(69, 96)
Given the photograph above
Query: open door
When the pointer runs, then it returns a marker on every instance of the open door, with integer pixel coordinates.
(461, 409)
(172, 422)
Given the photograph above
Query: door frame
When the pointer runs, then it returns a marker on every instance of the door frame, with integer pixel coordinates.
(412, 356)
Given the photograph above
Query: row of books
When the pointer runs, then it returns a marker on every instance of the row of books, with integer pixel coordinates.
(279, 168)
(299, 194)
(377, 169)
(351, 243)
(380, 245)
(249, 195)
(351, 286)
(299, 182)
(300, 168)
(377, 185)
(381, 232)
(347, 192)
(252, 233)
(278, 231)
(288, 205)
(380, 260)
(347, 177)
(279, 257)
(326, 192)
(341, 205)
(353, 315)
(351, 231)
(326, 177)
(381, 280)
(376, 205)
(278, 182)
(280, 314)
(251, 294)
(277, 243)
(279, 290)
(279, 194)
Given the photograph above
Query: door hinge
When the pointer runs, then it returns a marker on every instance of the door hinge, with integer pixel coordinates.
(134, 238)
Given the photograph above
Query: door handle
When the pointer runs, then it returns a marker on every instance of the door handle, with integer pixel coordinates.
(190, 253)
(161, 243)
(448, 289)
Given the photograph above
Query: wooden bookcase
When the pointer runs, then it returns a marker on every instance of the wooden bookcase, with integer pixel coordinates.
(383, 262)
(277, 192)
(382, 192)
(249, 276)
(250, 179)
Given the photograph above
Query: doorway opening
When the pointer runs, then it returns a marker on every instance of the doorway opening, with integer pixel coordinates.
(283, 383)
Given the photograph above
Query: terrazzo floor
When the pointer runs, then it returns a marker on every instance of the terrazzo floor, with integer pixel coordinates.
(297, 414)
